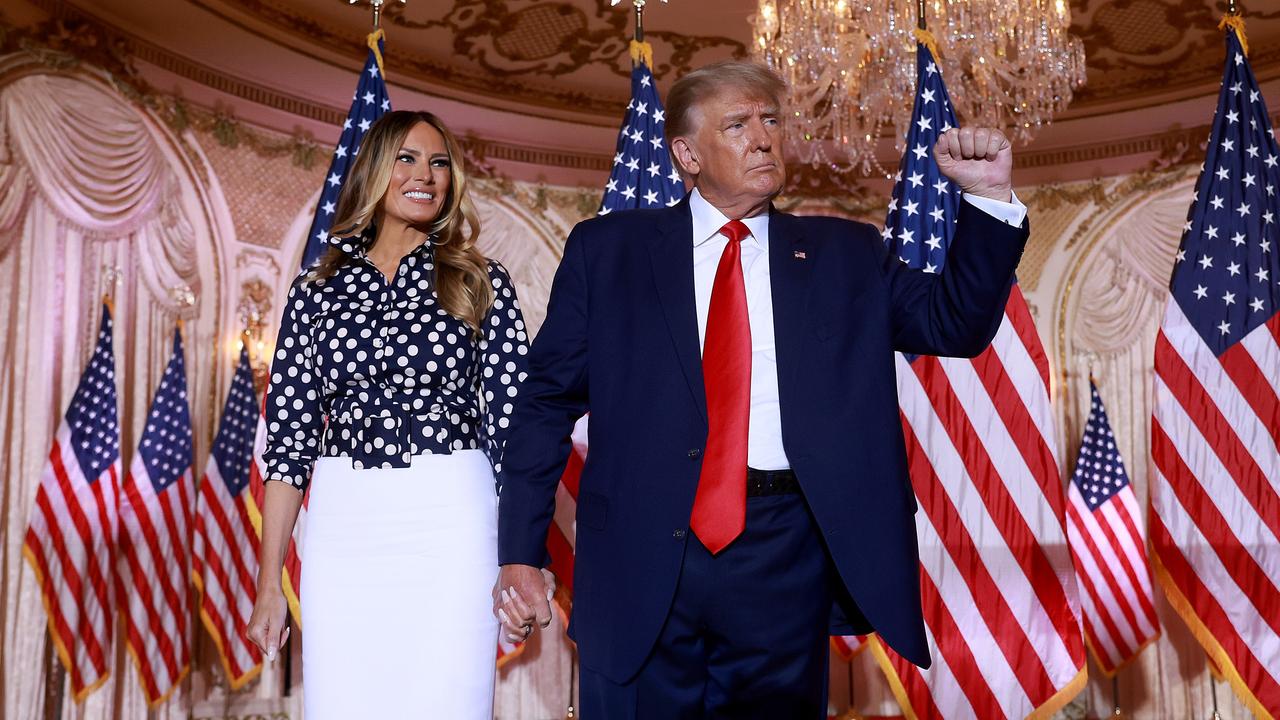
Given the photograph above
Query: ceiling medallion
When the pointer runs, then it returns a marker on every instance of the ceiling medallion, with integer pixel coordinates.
(851, 68)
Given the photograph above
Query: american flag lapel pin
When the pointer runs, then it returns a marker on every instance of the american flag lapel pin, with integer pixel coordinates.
(799, 254)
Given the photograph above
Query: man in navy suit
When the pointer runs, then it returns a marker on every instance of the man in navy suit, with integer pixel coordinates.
(747, 478)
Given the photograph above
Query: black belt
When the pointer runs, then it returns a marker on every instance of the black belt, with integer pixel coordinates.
(762, 483)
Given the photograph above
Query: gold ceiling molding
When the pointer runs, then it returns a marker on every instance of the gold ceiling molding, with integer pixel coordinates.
(77, 37)
(1146, 46)
(488, 34)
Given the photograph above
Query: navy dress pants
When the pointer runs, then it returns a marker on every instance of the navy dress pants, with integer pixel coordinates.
(747, 633)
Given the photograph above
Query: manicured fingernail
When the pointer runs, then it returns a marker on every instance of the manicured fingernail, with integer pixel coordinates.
(271, 654)
(506, 598)
(502, 615)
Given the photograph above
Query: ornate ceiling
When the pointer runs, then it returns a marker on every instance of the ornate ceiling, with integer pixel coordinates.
(556, 54)
(536, 87)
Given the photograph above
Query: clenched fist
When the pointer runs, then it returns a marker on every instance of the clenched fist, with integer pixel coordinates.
(979, 160)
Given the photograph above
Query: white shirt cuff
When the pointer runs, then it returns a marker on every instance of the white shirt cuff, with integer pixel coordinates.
(1012, 213)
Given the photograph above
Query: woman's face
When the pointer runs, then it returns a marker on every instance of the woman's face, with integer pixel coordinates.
(419, 179)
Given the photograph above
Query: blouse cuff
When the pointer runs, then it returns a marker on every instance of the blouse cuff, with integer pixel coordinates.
(293, 472)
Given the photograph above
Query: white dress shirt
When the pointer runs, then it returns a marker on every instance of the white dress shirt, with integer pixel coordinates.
(764, 438)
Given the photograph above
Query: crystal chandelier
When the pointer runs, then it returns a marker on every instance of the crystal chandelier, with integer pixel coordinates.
(850, 67)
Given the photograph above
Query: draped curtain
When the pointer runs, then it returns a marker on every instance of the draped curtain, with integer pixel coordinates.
(1107, 294)
(86, 182)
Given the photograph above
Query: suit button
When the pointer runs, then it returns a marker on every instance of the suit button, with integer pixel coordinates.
(678, 534)
(696, 452)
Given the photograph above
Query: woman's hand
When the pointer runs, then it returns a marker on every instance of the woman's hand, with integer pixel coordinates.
(268, 625)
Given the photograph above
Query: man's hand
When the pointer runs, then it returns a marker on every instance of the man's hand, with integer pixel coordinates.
(521, 598)
(979, 160)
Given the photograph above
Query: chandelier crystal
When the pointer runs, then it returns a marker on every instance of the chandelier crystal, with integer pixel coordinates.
(850, 68)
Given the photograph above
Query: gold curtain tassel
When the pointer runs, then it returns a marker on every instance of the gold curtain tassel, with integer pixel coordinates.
(642, 52)
(372, 42)
(1235, 22)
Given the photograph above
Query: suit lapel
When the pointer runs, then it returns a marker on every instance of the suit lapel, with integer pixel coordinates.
(791, 259)
(671, 253)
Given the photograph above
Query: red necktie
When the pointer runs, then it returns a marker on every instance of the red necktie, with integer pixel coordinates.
(720, 507)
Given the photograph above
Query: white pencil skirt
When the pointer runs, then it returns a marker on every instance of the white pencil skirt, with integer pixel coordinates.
(397, 570)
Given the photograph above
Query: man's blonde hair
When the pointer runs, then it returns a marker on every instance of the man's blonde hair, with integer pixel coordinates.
(707, 82)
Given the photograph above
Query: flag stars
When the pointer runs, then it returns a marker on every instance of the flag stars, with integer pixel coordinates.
(1225, 327)
(934, 242)
(1201, 291)
(369, 98)
(1238, 239)
(334, 180)
(1216, 202)
(907, 236)
(1243, 209)
(1233, 117)
(629, 193)
(633, 164)
(937, 214)
(637, 136)
(1206, 262)
(654, 170)
(1249, 180)
(1228, 145)
(1256, 304)
(1263, 275)
(921, 151)
(924, 123)
(651, 197)
(1234, 269)
(1211, 232)
(1229, 298)
(1223, 174)
(940, 186)
(916, 179)
(656, 142)
(911, 208)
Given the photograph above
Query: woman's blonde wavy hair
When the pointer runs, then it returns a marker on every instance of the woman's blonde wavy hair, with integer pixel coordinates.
(462, 275)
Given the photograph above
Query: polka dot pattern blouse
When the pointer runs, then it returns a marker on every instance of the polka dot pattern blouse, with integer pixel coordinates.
(375, 370)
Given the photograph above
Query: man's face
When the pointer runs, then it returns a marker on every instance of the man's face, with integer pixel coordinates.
(735, 149)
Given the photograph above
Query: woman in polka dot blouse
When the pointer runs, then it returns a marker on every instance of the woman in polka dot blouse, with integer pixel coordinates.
(399, 357)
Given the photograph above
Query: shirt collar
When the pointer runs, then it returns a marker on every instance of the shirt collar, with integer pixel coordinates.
(358, 245)
(707, 221)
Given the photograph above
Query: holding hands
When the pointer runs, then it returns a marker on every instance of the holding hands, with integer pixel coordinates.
(521, 598)
(979, 160)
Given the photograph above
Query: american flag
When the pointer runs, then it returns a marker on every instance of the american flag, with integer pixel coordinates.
(1215, 427)
(846, 646)
(643, 176)
(70, 541)
(155, 537)
(224, 556)
(369, 103)
(1104, 526)
(997, 586)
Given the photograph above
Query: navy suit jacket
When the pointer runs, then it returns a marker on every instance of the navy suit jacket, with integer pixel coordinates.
(621, 338)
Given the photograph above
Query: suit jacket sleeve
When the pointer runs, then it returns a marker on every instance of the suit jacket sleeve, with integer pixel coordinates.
(552, 399)
(958, 312)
